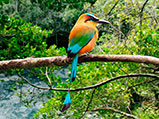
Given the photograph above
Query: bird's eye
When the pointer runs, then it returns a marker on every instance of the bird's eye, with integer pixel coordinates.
(92, 19)
(95, 19)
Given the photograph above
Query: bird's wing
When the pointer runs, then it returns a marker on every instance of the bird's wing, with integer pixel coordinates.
(79, 37)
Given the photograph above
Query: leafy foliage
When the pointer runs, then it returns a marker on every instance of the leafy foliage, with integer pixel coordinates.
(20, 39)
(48, 14)
(134, 31)
(127, 35)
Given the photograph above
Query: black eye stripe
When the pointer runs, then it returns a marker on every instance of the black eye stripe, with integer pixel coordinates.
(92, 18)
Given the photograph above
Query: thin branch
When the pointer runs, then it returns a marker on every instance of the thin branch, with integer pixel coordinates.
(31, 83)
(143, 6)
(93, 86)
(89, 103)
(142, 83)
(134, 26)
(48, 78)
(113, 7)
(148, 67)
(141, 12)
(64, 61)
(117, 111)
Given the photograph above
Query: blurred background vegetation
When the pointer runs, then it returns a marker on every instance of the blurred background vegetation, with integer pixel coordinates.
(41, 28)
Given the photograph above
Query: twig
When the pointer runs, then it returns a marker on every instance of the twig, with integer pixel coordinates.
(142, 83)
(141, 12)
(48, 78)
(142, 9)
(113, 7)
(31, 83)
(117, 111)
(89, 102)
(93, 86)
(150, 67)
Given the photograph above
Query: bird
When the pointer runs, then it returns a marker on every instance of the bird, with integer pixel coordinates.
(82, 39)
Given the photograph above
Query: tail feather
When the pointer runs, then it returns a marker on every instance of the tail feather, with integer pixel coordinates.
(67, 102)
(74, 67)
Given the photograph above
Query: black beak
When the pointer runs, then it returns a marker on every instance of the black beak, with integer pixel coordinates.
(103, 21)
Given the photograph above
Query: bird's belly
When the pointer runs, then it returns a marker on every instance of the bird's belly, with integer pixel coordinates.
(90, 45)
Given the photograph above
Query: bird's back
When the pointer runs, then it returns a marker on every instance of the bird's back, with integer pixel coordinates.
(79, 34)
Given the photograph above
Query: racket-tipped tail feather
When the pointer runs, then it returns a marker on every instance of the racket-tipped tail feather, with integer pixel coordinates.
(67, 102)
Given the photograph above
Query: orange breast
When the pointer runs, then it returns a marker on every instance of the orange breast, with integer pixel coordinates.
(90, 45)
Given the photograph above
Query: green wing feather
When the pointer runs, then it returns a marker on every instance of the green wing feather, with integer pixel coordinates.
(82, 37)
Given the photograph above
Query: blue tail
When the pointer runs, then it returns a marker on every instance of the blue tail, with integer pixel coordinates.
(67, 102)
(74, 68)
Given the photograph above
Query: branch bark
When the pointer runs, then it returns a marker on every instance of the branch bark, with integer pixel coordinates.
(64, 61)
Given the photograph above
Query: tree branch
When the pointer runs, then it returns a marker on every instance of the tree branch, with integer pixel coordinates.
(64, 61)
(89, 102)
(113, 7)
(117, 111)
(92, 86)
(45, 88)
(143, 6)
(48, 78)
(142, 83)
(141, 12)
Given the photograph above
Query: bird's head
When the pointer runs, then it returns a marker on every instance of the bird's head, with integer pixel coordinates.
(90, 18)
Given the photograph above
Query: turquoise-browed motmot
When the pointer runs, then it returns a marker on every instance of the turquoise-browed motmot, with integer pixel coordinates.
(82, 39)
